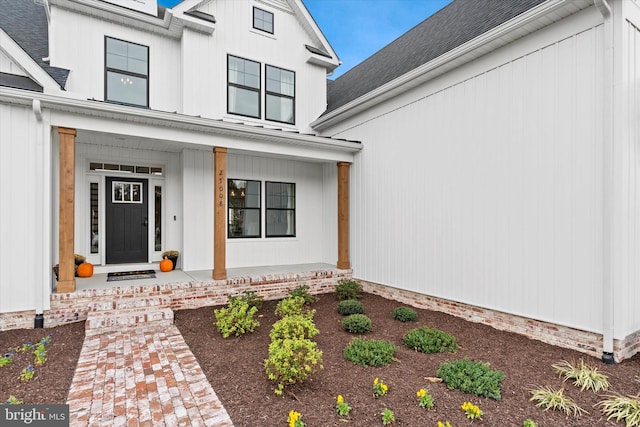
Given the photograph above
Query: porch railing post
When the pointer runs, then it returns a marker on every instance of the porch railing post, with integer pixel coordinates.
(66, 200)
(219, 213)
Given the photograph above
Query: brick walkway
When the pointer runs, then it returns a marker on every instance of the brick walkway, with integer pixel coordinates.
(142, 376)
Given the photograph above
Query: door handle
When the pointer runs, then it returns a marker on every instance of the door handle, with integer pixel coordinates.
(146, 221)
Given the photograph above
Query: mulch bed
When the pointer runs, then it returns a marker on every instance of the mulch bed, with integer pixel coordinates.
(235, 368)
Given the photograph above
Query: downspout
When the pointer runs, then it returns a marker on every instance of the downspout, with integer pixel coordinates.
(39, 291)
(608, 186)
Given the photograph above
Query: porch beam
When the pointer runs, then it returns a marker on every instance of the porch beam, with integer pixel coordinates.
(343, 216)
(219, 213)
(66, 200)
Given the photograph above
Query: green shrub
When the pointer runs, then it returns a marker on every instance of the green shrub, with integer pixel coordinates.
(348, 289)
(303, 291)
(350, 306)
(292, 361)
(471, 377)
(290, 306)
(369, 352)
(405, 314)
(296, 326)
(428, 340)
(236, 318)
(357, 324)
(250, 297)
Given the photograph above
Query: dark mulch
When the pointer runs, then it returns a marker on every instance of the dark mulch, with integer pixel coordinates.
(234, 366)
(51, 381)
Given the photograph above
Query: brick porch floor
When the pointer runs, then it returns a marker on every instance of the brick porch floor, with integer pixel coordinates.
(142, 376)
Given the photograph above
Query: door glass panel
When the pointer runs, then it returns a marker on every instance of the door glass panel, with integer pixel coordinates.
(93, 220)
(158, 218)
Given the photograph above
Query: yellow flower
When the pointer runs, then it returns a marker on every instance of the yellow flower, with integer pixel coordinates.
(293, 418)
(375, 381)
(421, 393)
(340, 398)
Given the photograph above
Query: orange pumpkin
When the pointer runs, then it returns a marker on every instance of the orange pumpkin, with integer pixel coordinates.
(85, 269)
(166, 265)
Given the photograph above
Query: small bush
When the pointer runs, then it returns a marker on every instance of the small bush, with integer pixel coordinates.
(622, 408)
(585, 376)
(236, 318)
(549, 398)
(290, 306)
(348, 289)
(303, 292)
(292, 361)
(369, 352)
(252, 298)
(405, 314)
(428, 340)
(297, 326)
(350, 306)
(471, 377)
(357, 324)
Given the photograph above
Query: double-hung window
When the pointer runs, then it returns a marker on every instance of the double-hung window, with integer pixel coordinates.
(243, 95)
(243, 216)
(280, 95)
(262, 20)
(281, 209)
(126, 72)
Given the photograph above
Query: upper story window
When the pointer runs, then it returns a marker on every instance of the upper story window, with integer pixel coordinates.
(126, 72)
(280, 96)
(243, 94)
(262, 20)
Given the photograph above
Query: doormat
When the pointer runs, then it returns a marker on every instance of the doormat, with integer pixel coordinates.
(131, 275)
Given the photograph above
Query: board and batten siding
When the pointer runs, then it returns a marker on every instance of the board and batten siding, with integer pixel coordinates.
(8, 66)
(24, 232)
(487, 188)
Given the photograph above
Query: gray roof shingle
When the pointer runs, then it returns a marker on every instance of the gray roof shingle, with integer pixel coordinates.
(26, 23)
(447, 29)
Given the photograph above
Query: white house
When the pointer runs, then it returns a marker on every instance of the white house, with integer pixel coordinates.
(489, 154)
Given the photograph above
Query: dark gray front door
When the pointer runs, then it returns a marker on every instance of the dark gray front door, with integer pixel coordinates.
(126, 215)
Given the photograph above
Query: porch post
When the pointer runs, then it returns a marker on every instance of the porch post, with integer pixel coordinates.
(343, 216)
(66, 268)
(219, 213)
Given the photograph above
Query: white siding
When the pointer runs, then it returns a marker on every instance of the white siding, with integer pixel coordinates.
(8, 66)
(484, 186)
(23, 215)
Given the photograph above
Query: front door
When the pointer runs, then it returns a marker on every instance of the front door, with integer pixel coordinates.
(126, 217)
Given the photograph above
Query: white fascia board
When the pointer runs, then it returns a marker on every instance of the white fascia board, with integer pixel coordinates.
(406, 81)
(164, 119)
(28, 65)
(301, 10)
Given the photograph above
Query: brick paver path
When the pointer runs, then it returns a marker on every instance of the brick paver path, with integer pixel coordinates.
(143, 376)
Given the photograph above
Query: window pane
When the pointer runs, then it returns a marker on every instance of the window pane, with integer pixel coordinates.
(244, 222)
(280, 81)
(158, 218)
(126, 89)
(244, 72)
(116, 53)
(94, 219)
(280, 223)
(263, 20)
(243, 101)
(279, 109)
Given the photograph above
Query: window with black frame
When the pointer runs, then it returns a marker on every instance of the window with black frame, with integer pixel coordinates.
(262, 20)
(280, 209)
(126, 72)
(243, 216)
(281, 95)
(243, 87)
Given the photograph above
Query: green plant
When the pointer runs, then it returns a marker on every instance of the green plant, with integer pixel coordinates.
(170, 254)
(379, 388)
(342, 407)
(236, 318)
(295, 419)
(252, 298)
(303, 291)
(471, 377)
(473, 412)
(387, 417)
(622, 408)
(27, 373)
(348, 289)
(426, 400)
(405, 314)
(292, 361)
(585, 376)
(290, 305)
(529, 423)
(12, 400)
(357, 324)
(298, 326)
(549, 398)
(350, 306)
(39, 354)
(428, 340)
(369, 352)
(7, 358)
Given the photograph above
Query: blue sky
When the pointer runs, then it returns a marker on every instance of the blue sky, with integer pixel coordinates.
(357, 29)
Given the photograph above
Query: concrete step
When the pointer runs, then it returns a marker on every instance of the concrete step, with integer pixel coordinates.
(99, 322)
